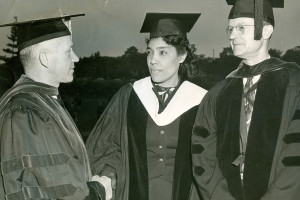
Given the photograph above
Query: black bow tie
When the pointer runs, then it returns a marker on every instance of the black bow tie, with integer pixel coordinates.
(268, 65)
(246, 71)
(159, 88)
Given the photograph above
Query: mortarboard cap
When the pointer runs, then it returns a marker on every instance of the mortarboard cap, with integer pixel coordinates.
(258, 9)
(39, 30)
(162, 24)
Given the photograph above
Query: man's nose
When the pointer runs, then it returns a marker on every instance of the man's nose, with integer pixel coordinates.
(74, 56)
(234, 33)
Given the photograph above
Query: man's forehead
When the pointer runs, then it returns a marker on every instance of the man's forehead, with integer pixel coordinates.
(64, 40)
(241, 20)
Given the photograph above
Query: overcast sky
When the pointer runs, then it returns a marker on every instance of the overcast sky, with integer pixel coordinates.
(111, 26)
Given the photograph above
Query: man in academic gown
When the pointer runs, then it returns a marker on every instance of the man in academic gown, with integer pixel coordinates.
(143, 140)
(42, 153)
(248, 125)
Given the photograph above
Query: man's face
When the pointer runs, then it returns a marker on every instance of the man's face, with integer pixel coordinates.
(62, 59)
(243, 44)
(163, 62)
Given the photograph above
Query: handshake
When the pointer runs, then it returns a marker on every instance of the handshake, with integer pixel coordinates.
(105, 182)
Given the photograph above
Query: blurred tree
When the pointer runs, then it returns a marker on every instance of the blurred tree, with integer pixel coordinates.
(214, 70)
(131, 52)
(96, 55)
(227, 51)
(226, 63)
(292, 55)
(275, 53)
(133, 64)
(12, 49)
(13, 60)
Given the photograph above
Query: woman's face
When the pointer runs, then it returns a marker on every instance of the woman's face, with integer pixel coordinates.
(163, 62)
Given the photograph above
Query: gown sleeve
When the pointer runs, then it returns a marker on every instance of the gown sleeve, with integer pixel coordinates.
(36, 162)
(105, 145)
(210, 181)
(285, 173)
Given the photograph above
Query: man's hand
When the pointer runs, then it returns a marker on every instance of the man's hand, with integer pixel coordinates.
(106, 182)
(111, 173)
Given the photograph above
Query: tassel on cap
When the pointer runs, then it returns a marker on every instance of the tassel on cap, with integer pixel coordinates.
(258, 18)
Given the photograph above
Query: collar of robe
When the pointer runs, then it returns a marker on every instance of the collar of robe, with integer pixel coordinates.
(187, 96)
(44, 88)
(26, 84)
(246, 71)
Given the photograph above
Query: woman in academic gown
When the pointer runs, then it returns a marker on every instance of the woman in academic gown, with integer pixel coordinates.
(143, 139)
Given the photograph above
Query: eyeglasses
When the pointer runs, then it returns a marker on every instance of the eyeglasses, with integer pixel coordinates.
(240, 29)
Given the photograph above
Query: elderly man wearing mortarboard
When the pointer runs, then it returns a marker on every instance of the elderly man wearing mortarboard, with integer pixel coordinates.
(143, 139)
(249, 124)
(42, 153)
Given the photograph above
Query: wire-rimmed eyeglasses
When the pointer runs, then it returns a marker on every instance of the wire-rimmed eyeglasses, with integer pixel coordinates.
(240, 29)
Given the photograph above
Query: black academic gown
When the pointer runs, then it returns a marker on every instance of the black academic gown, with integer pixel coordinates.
(269, 158)
(119, 140)
(42, 153)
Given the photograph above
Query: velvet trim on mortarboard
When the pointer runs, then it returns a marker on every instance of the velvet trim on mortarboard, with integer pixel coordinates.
(260, 10)
(35, 31)
(162, 24)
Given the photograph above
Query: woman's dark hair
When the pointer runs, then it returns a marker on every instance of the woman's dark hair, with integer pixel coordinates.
(187, 71)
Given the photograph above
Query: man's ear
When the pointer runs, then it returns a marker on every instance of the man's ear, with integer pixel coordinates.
(44, 57)
(182, 57)
(267, 31)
